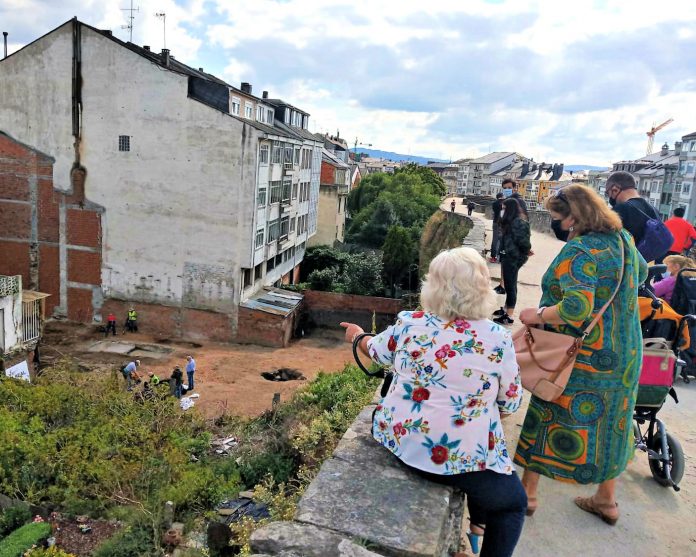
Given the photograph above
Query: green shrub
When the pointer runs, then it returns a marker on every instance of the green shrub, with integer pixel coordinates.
(24, 538)
(323, 279)
(13, 518)
(49, 552)
(256, 467)
(130, 542)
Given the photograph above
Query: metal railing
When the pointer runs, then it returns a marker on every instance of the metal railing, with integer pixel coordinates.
(31, 320)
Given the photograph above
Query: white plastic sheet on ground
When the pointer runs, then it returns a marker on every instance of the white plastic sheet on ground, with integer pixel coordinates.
(19, 371)
(186, 403)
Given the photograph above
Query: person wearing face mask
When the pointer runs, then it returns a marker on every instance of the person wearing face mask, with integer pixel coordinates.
(585, 436)
(628, 204)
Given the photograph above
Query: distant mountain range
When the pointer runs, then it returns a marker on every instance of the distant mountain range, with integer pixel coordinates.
(389, 155)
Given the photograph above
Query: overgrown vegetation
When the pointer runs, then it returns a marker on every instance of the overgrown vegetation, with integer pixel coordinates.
(23, 538)
(442, 231)
(12, 518)
(79, 442)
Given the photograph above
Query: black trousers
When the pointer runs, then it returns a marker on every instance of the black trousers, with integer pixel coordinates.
(509, 271)
(495, 500)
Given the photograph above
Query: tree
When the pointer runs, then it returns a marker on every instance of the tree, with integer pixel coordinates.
(362, 275)
(398, 254)
(372, 223)
(435, 182)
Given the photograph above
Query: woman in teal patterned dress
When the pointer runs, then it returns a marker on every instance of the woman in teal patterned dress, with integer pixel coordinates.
(586, 436)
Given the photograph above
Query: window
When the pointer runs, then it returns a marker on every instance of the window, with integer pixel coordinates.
(270, 265)
(340, 176)
(261, 197)
(124, 142)
(284, 226)
(247, 277)
(275, 191)
(235, 105)
(248, 110)
(259, 113)
(294, 191)
(263, 154)
(686, 188)
(692, 146)
(258, 272)
(273, 228)
(678, 188)
(654, 186)
(279, 259)
(288, 155)
(305, 158)
(287, 116)
(292, 224)
(269, 116)
(277, 152)
(689, 167)
(287, 186)
(259, 237)
(297, 156)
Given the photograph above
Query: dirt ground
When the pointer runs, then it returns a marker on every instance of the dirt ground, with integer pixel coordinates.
(228, 375)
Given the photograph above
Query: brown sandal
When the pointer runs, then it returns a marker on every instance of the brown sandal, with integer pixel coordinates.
(588, 504)
(531, 505)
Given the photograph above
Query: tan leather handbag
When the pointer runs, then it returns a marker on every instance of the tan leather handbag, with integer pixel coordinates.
(546, 358)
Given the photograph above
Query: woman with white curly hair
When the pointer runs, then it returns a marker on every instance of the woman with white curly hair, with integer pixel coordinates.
(455, 376)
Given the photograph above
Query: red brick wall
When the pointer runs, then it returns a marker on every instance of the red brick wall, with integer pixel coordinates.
(15, 219)
(328, 173)
(14, 260)
(328, 309)
(84, 228)
(258, 327)
(165, 322)
(20, 167)
(84, 267)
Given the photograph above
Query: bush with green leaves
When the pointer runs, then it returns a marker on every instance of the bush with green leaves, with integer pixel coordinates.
(12, 518)
(52, 551)
(134, 541)
(22, 539)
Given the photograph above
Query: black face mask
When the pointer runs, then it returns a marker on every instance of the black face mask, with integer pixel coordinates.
(561, 234)
(612, 201)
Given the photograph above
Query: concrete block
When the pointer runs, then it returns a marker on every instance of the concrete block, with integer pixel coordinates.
(343, 497)
(292, 538)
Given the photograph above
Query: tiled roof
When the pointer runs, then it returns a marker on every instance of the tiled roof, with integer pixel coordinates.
(492, 157)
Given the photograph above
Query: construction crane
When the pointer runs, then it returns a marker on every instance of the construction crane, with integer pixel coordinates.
(653, 131)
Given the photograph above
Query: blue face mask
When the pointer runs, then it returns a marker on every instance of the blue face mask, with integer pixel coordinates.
(507, 193)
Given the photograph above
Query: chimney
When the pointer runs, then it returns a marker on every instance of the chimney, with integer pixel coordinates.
(525, 168)
(4, 34)
(665, 150)
(200, 70)
(246, 87)
(264, 95)
(107, 32)
(146, 47)
(677, 147)
(165, 56)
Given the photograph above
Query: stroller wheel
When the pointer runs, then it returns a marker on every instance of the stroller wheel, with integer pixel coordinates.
(676, 461)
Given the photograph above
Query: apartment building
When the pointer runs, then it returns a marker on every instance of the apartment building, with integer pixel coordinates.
(170, 188)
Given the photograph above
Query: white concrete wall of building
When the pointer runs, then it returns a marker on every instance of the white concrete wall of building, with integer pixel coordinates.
(179, 204)
(36, 86)
(11, 313)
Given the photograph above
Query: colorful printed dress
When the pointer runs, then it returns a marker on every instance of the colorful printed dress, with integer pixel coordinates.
(451, 381)
(586, 435)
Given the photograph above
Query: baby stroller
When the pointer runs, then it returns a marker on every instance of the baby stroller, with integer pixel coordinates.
(684, 302)
(665, 334)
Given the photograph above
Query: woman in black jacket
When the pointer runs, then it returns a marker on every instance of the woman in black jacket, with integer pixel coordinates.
(515, 247)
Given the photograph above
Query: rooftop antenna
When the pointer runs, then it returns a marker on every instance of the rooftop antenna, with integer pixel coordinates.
(164, 26)
(130, 19)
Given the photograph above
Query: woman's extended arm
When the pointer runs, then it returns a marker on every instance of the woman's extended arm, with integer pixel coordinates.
(352, 331)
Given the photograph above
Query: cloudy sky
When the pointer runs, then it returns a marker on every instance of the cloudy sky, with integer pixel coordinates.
(442, 78)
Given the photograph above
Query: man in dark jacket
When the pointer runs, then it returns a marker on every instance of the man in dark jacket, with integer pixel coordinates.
(497, 208)
(471, 206)
(627, 202)
(178, 380)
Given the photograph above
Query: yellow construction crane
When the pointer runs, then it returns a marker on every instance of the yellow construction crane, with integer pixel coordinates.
(653, 131)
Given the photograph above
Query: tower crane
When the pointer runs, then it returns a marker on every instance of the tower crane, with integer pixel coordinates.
(653, 131)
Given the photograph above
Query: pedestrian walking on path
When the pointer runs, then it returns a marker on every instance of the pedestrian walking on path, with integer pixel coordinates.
(585, 436)
(515, 247)
(448, 426)
(453, 205)
(471, 206)
(190, 370)
(497, 210)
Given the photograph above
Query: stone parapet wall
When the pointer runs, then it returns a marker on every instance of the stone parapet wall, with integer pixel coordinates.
(364, 497)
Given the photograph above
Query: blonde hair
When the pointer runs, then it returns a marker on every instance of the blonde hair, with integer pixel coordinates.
(458, 285)
(589, 210)
(681, 262)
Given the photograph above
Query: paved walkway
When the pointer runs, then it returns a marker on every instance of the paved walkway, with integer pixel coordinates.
(655, 521)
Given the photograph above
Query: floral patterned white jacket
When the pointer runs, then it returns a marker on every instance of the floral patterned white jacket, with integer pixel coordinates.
(451, 381)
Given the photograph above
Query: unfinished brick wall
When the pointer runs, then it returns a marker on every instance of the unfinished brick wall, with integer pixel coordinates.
(31, 211)
(265, 329)
(328, 173)
(328, 309)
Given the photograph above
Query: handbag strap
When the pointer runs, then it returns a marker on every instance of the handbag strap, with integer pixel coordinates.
(594, 322)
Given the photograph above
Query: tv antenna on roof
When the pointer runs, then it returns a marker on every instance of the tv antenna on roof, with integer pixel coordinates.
(130, 19)
(164, 26)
